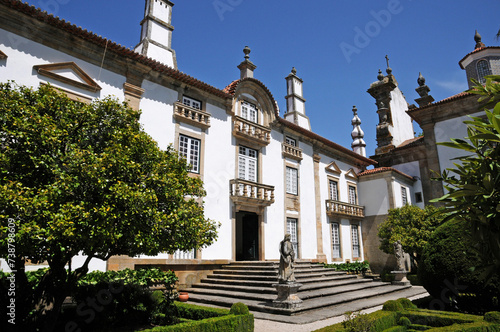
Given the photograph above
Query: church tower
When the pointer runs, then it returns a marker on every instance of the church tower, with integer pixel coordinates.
(481, 62)
(156, 32)
(295, 102)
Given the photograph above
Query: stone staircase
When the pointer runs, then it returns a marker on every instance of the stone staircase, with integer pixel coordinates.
(251, 283)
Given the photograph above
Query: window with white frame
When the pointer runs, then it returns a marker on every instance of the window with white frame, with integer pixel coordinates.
(291, 228)
(291, 180)
(191, 102)
(189, 148)
(355, 241)
(290, 141)
(483, 69)
(404, 196)
(335, 240)
(249, 111)
(247, 164)
(334, 191)
(352, 195)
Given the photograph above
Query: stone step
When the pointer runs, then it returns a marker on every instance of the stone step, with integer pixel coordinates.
(298, 272)
(264, 303)
(313, 277)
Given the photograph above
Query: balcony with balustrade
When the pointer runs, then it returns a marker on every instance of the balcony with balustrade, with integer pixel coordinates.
(192, 116)
(245, 192)
(251, 131)
(337, 209)
(292, 152)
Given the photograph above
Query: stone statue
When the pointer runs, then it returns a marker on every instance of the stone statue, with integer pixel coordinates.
(287, 259)
(400, 258)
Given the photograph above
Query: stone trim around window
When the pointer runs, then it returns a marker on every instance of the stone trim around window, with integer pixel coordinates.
(199, 136)
(72, 95)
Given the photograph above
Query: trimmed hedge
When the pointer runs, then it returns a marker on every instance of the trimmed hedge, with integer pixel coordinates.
(206, 319)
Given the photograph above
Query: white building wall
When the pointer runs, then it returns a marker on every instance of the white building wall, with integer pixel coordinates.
(413, 169)
(373, 195)
(402, 123)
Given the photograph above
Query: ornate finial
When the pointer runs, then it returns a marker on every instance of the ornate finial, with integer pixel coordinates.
(380, 76)
(420, 79)
(294, 71)
(389, 69)
(477, 39)
(247, 51)
(355, 110)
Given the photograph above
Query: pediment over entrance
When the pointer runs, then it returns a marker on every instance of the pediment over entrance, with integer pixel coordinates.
(333, 168)
(69, 73)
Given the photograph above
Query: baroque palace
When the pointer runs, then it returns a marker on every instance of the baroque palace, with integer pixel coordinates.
(265, 173)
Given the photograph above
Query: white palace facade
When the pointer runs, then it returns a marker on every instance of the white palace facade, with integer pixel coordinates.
(265, 173)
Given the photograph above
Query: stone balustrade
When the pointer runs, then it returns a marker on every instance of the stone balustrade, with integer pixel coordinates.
(191, 115)
(341, 209)
(291, 151)
(248, 192)
(251, 131)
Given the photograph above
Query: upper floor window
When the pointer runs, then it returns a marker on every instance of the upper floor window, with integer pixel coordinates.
(404, 196)
(352, 195)
(483, 69)
(291, 180)
(249, 111)
(189, 148)
(247, 164)
(290, 141)
(334, 192)
(191, 102)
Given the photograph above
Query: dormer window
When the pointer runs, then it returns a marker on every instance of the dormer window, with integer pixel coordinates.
(483, 69)
(249, 111)
(191, 102)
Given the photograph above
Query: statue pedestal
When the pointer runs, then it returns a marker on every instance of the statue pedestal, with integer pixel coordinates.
(400, 278)
(287, 296)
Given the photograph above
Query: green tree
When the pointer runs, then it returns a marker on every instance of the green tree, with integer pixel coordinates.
(85, 178)
(412, 226)
(473, 185)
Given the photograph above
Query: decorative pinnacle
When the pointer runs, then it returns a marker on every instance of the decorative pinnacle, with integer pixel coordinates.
(247, 51)
(355, 110)
(294, 71)
(380, 76)
(389, 69)
(477, 39)
(420, 79)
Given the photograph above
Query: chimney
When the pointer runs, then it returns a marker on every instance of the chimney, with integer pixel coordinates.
(156, 33)
(295, 103)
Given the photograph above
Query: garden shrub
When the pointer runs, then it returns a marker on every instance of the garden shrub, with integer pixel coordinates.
(396, 328)
(239, 309)
(196, 312)
(356, 322)
(449, 271)
(404, 321)
(353, 267)
(492, 317)
(392, 305)
(407, 304)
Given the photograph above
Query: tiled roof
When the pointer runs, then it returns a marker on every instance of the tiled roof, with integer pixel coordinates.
(89, 36)
(475, 51)
(383, 170)
(231, 89)
(411, 142)
(325, 141)
(444, 101)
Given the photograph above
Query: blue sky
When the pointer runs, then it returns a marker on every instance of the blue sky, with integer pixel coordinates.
(322, 39)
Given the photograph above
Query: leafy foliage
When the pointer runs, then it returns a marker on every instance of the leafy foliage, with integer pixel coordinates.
(473, 185)
(354, 267)
(356, 322)
(412, 226)
(85, 178)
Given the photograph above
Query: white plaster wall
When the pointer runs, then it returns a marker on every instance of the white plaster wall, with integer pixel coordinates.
(308, 239)
(444, 131)
(161, 10)
(23, 54)
(219, 169)
(402, 123)
(160, 34)
(273, 174)
(157, 107)
(160, 54)
(373, 196)
(413, 169)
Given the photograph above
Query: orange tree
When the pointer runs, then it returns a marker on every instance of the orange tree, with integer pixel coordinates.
(85, 178)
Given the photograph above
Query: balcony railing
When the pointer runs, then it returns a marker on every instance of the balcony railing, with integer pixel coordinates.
(341, 209)
(191, 115)
(291, 151)
(252, 193)
(251, 131)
